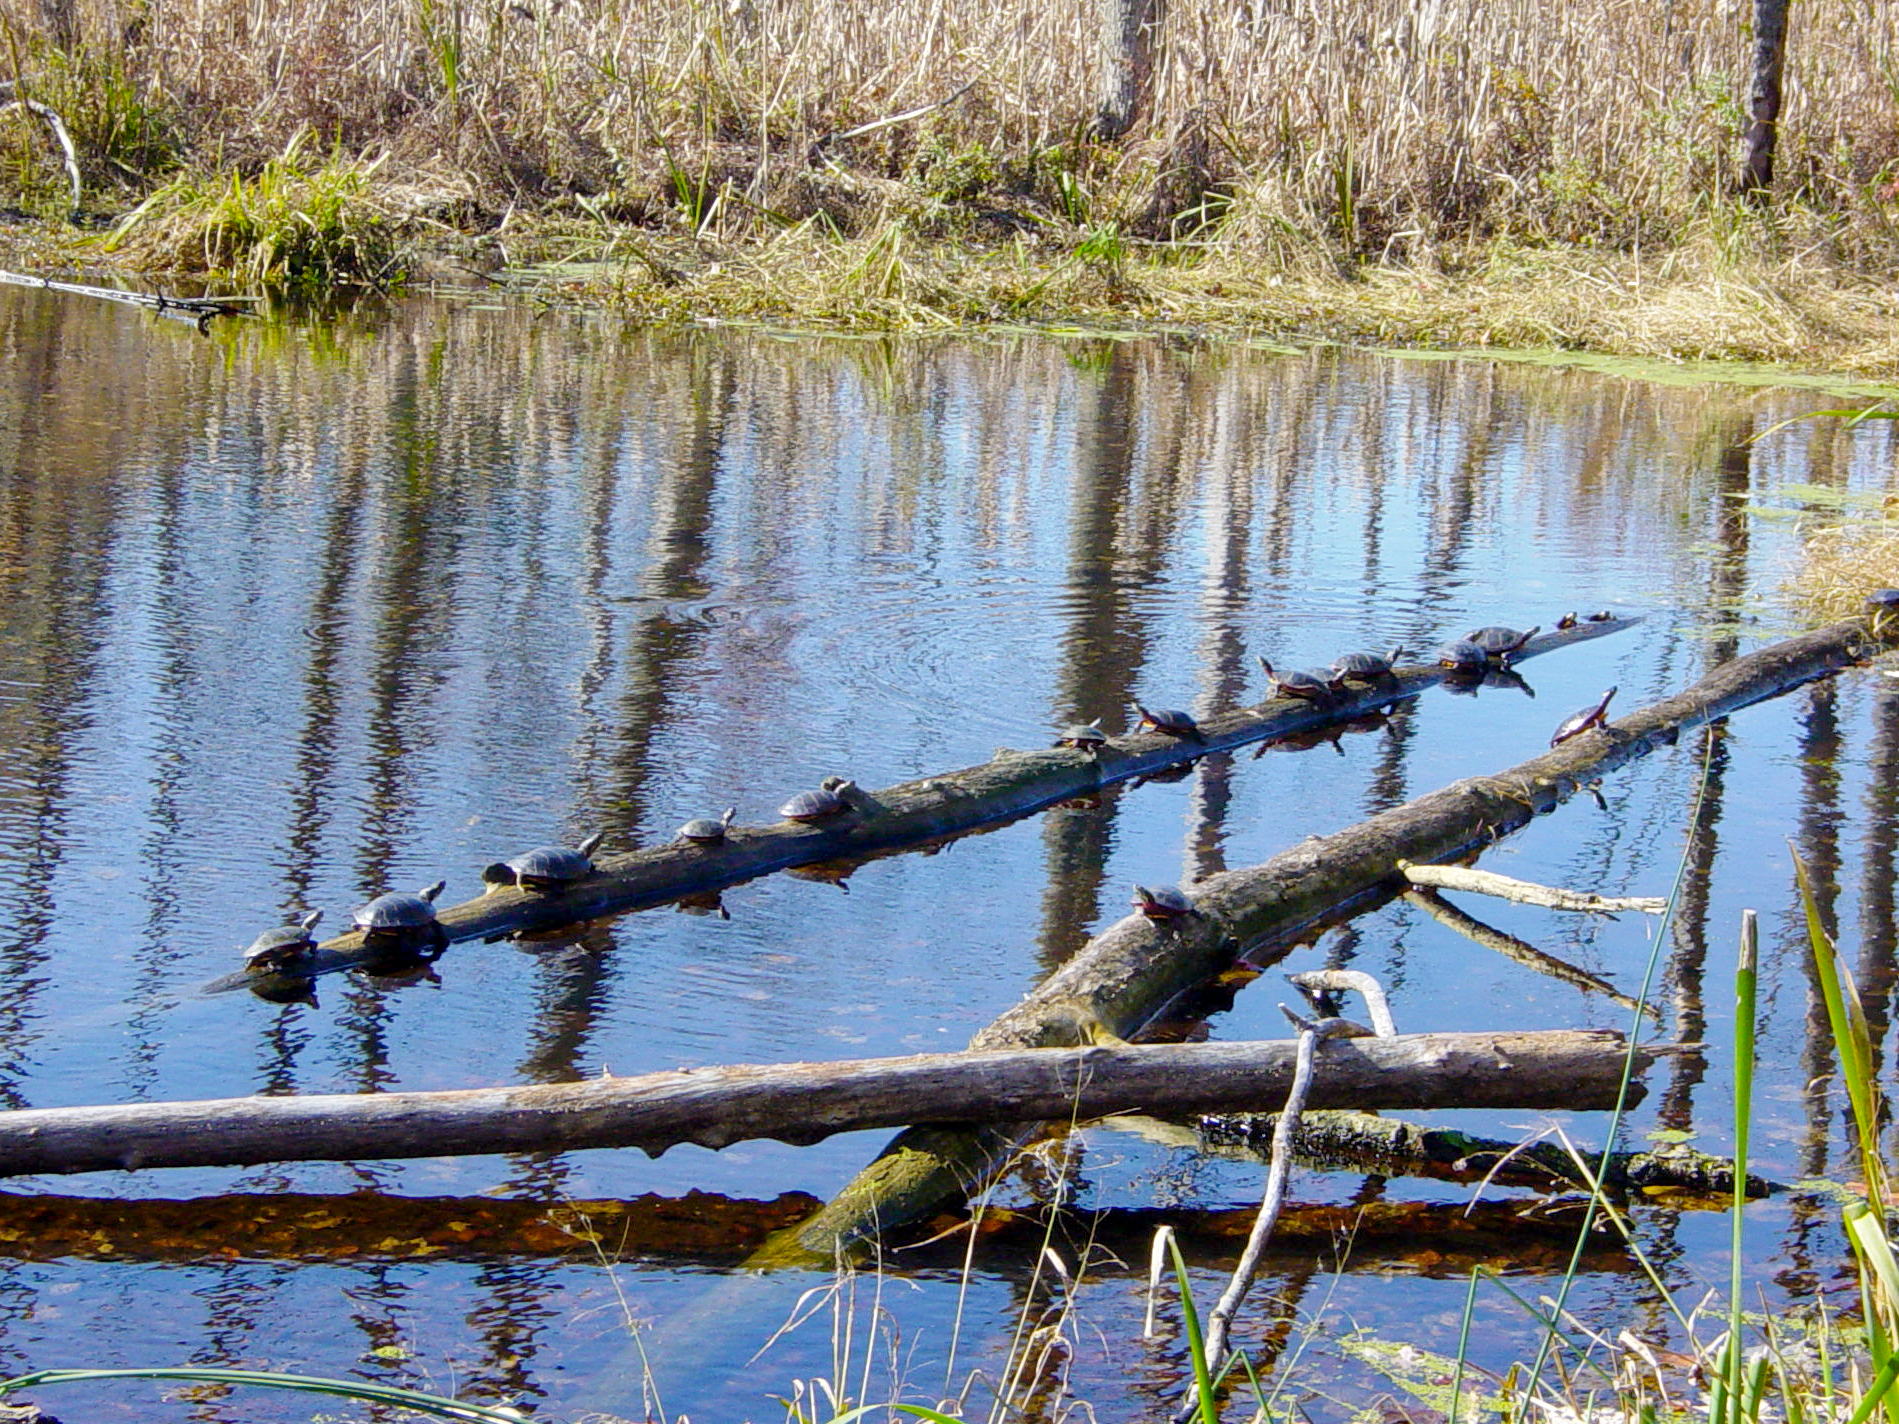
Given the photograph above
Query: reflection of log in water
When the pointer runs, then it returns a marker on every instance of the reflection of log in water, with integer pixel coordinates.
(1011, 785)
(1128, 974)
(371, 1227)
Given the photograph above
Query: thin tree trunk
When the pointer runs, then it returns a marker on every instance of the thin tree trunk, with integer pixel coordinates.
(1129, 39)
(1763, 130)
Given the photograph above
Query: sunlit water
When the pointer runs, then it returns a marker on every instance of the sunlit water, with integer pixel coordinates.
(295, 614)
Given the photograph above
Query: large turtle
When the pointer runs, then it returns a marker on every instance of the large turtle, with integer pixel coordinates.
(830, 799)
(398, 924)
(282, 948)
(547, 870)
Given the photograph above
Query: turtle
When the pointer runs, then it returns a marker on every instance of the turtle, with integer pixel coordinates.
(404, 924)
(827, 800)
(547, 870)
(1500, 643)
(283, 947)
(1577, 723)
(1308, 684)
(1084, 737)
(704, 830)
(1605, 616)
(1162, 903)
(1882, 604)
(1566, 622)
(1463, 657)
(1169, 720)
(1366, 667)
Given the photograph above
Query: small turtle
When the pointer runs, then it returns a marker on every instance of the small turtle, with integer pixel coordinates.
(1882, 604)
(1308, 684)
(827, 800)
(1577, 723)
(546, 869)
(1605, 616)
(404, 924)
(1499, 643)
(1366, 667)
(1162, 903)
(703, 830)
(283, 947)
(1170, 720)
(1566, 622)
(1084, 737)
(1463, 657)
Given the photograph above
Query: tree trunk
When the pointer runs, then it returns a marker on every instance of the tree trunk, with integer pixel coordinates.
(1129, 36)
(1763, 130)
(1124, 977)
(804, 1102)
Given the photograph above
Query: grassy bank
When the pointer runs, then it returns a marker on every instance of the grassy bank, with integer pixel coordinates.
(1465, 173)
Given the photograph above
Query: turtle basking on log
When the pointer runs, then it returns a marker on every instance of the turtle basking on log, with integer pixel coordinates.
(1084, 737)
(404, 926)
(1170, 721)
(1162, 904)
(705, 830)
(829, 799)
(281, 949)
(1366, 667)
(1577, 723)
(546, 870)
(1500, 644)
(1306, 684)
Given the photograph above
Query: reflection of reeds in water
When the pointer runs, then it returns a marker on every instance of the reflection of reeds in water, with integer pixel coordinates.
(1368, 124)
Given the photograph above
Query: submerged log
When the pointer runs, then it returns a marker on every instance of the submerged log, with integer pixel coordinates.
(1010, 785)
(1123, 978)
(1381, 1144)
(804, 1102)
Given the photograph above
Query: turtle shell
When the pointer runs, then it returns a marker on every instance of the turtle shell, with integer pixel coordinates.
(1171, 720)
(1085, 736)
(399, 911)
(283, 945)
(1366, 667)
(705, 830)
(1498, 642)
(812, 805)
(546, 868)
(1162, 902)
(1463, 656)
(1577, 723)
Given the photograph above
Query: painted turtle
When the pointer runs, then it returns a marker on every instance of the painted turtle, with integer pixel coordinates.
(1463, 656)
(1366, 667)
(827, 800)
(1308, 684)
(1577, 723)
(704, 830)
(404, 924)
(1162, 903)
(1499, 643)
(1566, 622)
(1170, 720)
(1084, 737)
(546, 870)
(1883, 604)
(282, 947)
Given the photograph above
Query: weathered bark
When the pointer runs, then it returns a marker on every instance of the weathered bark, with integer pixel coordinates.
(1124, 977)
(1371, 1143)
(1010, 785)
(1129, 32)
(804, 1102)
(1763, 130)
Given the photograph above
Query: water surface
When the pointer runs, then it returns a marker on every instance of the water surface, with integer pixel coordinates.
(303, 612)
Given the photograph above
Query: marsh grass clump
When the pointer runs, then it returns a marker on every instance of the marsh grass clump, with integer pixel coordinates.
(295, 222)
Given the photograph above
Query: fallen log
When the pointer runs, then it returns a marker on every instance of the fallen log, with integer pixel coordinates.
(1488, 882)
(1123, 978)
(804, 1102)
(932, 809)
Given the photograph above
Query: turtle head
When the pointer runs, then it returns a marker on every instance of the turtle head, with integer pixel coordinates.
(591, 844)
(726, 818)
(499, 874)
(432, 891)
(308, 922)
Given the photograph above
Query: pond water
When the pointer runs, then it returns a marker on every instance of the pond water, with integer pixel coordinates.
(303, 611)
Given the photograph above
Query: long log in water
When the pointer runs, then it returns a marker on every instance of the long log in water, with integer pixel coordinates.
(1122, 979)
(1010, 785)
(803, 1102)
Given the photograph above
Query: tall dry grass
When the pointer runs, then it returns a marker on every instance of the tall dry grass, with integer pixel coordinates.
(1375, 129)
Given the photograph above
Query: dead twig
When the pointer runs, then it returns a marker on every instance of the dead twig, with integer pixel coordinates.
(1524, 892)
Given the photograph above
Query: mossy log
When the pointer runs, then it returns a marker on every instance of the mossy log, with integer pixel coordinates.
(1122, 979)
(1010, 785)
(1367, 1142)
(804, 1102)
